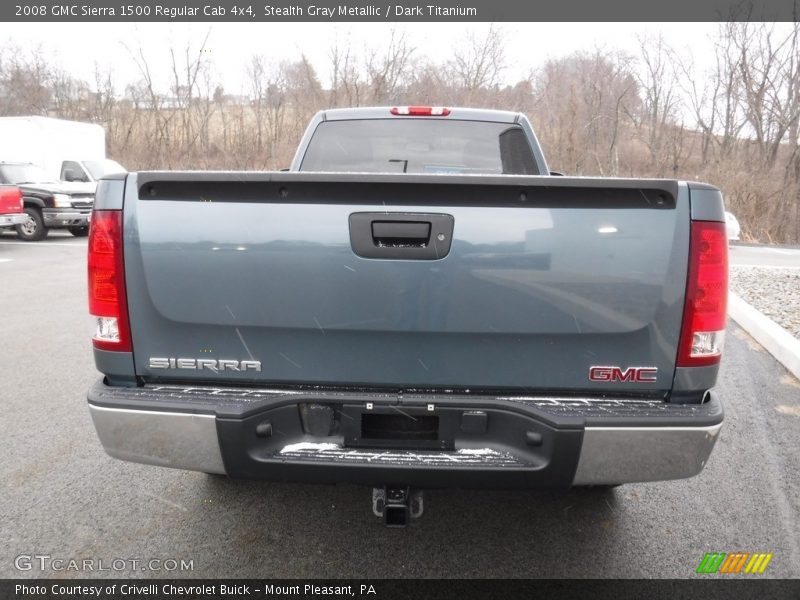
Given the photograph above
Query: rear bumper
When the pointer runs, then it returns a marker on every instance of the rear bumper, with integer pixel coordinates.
(531, 442)
(66, 217)
(9, 220)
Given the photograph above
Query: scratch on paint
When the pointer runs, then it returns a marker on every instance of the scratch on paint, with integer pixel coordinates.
(405, 414)
(289, 360)
(244, 344)
(318, 325)
(577, 324)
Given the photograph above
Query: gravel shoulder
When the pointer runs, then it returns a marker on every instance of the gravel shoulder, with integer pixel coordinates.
(773, 291)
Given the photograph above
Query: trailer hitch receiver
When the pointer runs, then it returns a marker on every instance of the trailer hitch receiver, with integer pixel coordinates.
(397, 504)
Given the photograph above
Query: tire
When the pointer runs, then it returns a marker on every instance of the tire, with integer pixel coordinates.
(33, 230)
(79, 231)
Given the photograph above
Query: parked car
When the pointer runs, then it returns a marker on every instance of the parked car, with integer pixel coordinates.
(732, 226)
(11, 213)
(48, 203)
(417, 304)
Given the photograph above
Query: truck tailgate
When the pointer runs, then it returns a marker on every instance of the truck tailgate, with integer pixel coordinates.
(544, 278)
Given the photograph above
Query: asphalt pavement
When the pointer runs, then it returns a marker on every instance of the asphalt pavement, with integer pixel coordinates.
(63, 497)
(764, 256)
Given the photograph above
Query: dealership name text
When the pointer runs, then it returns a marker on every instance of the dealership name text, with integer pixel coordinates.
(169, 589)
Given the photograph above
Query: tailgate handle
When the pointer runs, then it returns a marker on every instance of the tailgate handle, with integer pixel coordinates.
(401, 233)
(408, 236)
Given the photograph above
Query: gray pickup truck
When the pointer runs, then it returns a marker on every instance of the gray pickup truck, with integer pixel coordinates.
(417, 303)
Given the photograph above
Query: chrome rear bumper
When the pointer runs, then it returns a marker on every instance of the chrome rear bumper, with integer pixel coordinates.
(9, 220)
(67, 217)
(178, 440)
(611, 455)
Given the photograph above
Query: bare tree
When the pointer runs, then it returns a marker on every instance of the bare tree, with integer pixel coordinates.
(346, 82)
(714, 98)
(581, 108)
(304, 93)
(661, 104)
(769, 69)
(24, 82)
(186, 72)
(387, 70)
(477, 65)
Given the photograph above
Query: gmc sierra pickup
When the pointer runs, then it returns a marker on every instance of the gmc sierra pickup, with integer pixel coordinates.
(418, 303)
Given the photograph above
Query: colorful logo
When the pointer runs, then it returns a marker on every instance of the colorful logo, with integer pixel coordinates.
(737, 562)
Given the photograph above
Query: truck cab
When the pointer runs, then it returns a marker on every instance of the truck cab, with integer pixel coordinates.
(89, 171)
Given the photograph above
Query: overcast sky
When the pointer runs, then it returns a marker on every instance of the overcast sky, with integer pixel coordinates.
(77, 46)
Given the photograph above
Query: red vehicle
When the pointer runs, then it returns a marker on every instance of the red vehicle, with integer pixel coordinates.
(11, 206)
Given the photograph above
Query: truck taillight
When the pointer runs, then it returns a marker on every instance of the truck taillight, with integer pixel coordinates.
(11, 196)
(107, 300)
(705, 308)
(420, 111)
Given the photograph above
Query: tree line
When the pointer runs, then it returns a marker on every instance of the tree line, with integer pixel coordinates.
(607, 113)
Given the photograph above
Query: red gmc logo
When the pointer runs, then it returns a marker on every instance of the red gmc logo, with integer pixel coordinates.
(635, 374)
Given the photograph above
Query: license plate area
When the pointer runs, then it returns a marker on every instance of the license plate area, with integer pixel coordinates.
(389, 427)
(382, 426)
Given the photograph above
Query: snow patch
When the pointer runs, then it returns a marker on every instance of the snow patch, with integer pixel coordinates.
(310, 446)
(478, 451)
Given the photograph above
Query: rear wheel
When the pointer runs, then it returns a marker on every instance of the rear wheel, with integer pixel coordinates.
(79, 231)
(33, 229)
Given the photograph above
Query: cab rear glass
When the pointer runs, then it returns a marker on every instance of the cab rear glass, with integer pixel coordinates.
(422, 145)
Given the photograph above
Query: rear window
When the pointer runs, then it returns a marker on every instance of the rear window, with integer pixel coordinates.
(406, 145)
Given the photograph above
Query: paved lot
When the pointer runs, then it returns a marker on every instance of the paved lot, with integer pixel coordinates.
(63, 497)
(765, 256)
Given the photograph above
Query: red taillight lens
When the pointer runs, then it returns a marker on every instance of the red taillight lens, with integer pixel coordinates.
(705, 309)
(420, 111)
(107, 300)
(10, 198)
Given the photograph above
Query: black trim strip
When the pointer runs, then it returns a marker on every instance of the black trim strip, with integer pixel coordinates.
(418, 190)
